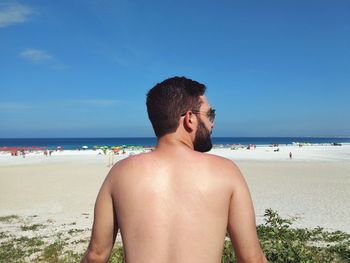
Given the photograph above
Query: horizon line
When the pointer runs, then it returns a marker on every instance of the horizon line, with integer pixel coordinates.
(153, 137)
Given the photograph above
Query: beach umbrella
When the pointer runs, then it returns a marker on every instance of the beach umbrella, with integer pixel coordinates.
(84, 147)
(24, 149)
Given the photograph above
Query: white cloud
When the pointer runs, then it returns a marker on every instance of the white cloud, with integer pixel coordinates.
(35, 55)
(13, 13)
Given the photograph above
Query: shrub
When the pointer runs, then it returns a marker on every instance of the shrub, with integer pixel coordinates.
(282, 243)
(279, 241)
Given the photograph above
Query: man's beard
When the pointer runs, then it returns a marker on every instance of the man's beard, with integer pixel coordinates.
(202, 141)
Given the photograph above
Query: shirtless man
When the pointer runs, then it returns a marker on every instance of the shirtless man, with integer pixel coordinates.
(175, 204)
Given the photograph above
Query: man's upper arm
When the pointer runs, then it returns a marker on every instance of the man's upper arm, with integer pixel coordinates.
(105, 226)
(241, 222)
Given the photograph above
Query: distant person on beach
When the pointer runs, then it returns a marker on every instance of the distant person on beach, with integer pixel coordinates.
(290, 155)
(175, 204)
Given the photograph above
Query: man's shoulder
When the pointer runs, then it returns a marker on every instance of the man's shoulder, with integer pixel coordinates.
(127, 169)
(227, 167)
(137, 163)
(220, 161)
(216, 158)
(143, 162)
(132, 161)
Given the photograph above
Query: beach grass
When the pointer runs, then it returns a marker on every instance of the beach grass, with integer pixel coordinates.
(280, 241)
(283, 243)
(33, 227)
(8, 218)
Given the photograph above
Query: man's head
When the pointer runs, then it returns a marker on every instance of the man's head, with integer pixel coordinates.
(202, 141)
(172, 99)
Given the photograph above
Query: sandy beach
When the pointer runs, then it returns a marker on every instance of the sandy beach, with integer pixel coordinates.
(59, 191)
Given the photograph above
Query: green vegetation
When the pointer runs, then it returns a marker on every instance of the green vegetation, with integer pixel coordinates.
(117, 255)
(52, 252)
(17, 249)
(35, 249)
(8, 218)
(33, 227)
(2, 235)
(280, 242)
(73, 231)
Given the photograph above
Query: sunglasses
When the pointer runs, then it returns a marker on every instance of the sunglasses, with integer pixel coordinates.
(210, 114)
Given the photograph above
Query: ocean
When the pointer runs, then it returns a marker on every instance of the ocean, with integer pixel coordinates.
(77, 143)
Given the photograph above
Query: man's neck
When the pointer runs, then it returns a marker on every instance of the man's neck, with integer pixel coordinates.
(174, 141)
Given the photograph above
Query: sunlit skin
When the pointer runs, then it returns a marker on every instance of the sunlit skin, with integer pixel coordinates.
(175, 204)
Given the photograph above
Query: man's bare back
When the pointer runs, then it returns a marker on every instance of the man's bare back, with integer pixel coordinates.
(175, 204)
(174, 208)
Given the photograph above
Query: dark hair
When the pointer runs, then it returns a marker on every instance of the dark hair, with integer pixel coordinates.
(167, 100)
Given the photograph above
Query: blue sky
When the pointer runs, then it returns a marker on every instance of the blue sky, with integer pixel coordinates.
(82, 68)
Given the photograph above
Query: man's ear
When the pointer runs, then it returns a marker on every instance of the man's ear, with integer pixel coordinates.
(189, 121)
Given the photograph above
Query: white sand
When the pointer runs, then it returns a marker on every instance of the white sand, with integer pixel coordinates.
(60, 190)
(317, 192)
(304, 153)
